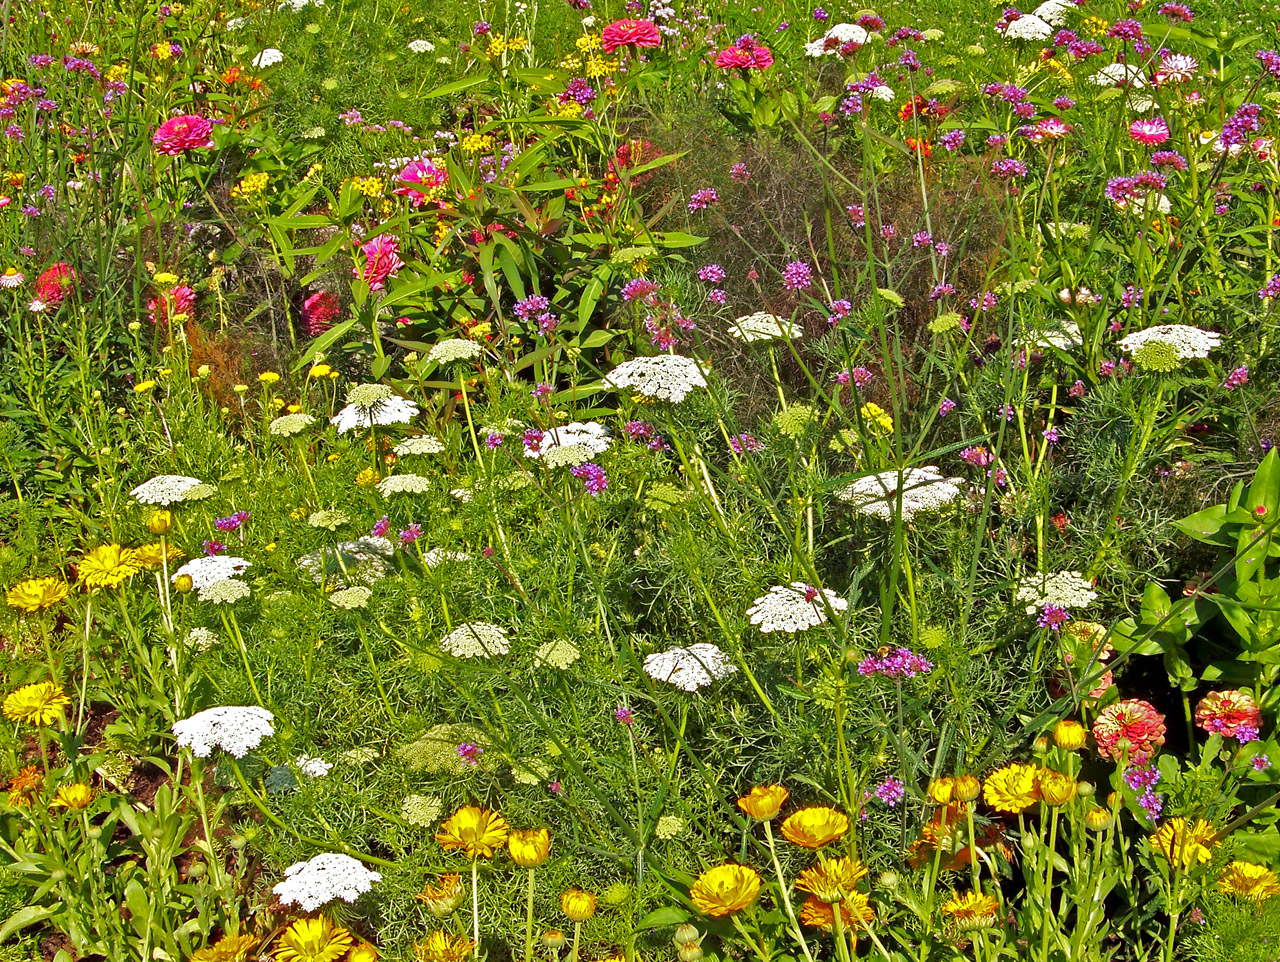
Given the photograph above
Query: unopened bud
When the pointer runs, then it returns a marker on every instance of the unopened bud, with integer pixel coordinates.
(160, 522)
(553, 939)
(691, 952)
(183, 583)
(685, 934)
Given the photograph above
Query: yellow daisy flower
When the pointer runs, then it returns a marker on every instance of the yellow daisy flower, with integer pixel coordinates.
(474, 830)
(36, 594)
(108, 566)
(725, 889)
(38, 704)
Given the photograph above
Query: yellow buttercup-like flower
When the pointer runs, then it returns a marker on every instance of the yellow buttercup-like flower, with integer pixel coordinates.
(764, 801)
(36, 594)
(443, 947)
(878, 420)
(76, 796)
(313, 940)
(971, 910)
(1184, 844)
(108, 566)
(1245, 880)
(152, 555)
(725, 889)
(833, 879)
(855, 912)
(1014, 788)
(1070, 735)
(366, 477)
(1056, 788)
(530, 848)
(38, 704)
(474, 830)
(578, 905)
(443, 898)
(229, 948)
(815, 827)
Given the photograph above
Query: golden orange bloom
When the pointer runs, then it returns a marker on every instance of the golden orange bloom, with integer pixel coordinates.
(941, 790)
(725, 889)
(855, 912)
(36, 594)
(75, 796)
(229, 948)
(1056, 788)
(39, 704)
(477, 831)
(764, 801)
(443, 898)
(1098, 818)
(160, 521)
(443, 947)
(832, 879)
(1184, 844)
(1014, 788)
(529, 849)
(153, 555)
(967, 788)
(1070, 735)
(971, 910)
(815, 827)
(1245, 880)
(364, 952)
(313, 940)
(578, 905)
(108, 566)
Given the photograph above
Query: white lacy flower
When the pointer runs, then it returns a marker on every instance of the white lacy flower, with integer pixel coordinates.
(1065, 336)
(236, 729)
(268, 58)
(763, 326)
(351, 598)
(1066, 589)
(667, 377)
(1189, 342)
(328, 519)
(794, 607)
(167, 489)
(590, 435)
(377, 413)
(421, 810)
(290, 424)
(465, 495)
(840, 34)
(358, 562)
(439, 556)
(204, 572)
(476, 639)
(558, 653)
(315, 767)
(225, 592)
(419, 444)
(1028, 27)
(1156, 203)
(689, 668)
(202, 639)
(317, 882)
(883, 92)
(1054, 12)
(403, 484)
(453, 350)
(1119, 75)
(923, 489)
(566, 456)
(421, 46)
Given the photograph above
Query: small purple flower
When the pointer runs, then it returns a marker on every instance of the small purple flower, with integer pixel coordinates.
(946, 407)
(493, 440)
(1077, 390)
(410, 534)
(977, 455)
(819, 14)
(891, 791)
(638, 430)
(211, 548)
(1051, 435)
(1237, 378)
(625, 715)
(717, 295)
(593, 477)
(712, 273)
(639, 288)
(941, 291)
(1260, 763)
(797, 276)
(1053, 617)
(1152, 803)
(739, 174)
(1063, 103)
(380, 529)
(858, 214)
(1141, 777)
(542, 389)
(922, 239)
(839, 309)
(702, 199)
(1246, 734)
(469, 753)
(898, 663)
(952, 140)
(745, 444)
(232, 522)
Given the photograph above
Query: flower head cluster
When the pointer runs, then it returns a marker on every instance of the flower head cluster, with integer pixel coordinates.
(921, 490)
(373, 405)
(591, 436)
(453, 350)
(318, 881)
(225, 592)
(420, 444)
(211, 569)
(1136, 722)
(1232, 714)
(236, 729)
(895, 663)
(689, 668)
(1184, 342)
(667, 377)
(167, 489)
(793, 608)
(403, 484)
(1065, 589)
(288, 425)
(763, 326)
(476, 639)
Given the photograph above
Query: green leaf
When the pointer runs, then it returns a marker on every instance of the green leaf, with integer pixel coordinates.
(1205, 525)
(1155, 603)
(675, 238)
(457, 86)
(660, 918)
(1264, 490)
(323, 343)
(23, 918)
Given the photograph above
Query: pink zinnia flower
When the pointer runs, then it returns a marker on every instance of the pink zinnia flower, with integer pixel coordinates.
(186, 132)
(1149, 133)
(733, 57)
(318, 312)
(381, 260)
(630, 33)
(175, 301)
(417, 178)
(1226, 712)
(1134, 720)
(53, 285)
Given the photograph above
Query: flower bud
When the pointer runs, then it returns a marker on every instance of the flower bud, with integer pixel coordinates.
(160, 522)
(1069, 735)
(1085, 790)
(578, 905)
(183, 583)
(967, 788)
(1040, 746)
(942, 790)
(553, 939)
(1098, 819)
(686, 934)
(691, 952)
(1057, 789)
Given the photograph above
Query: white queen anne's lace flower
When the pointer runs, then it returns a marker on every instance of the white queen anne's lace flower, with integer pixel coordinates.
(358, 562)
(421, 46)
(317, 882)
(829, 43)
(420, 444)
(1119, 75)
(351, 598)
(373, 405)
(207, 571)
(591, 435)
(439, 556)
(202, 639)
(1066, 589)
(315, 767)
(689, 668)
(1189, 342)
(1054, 12)
(225, 592)
(1028, 27)
(268, 58)
(453, 350)
(288, 425)
(763, 326)
(476, 639)
(923, 489)
(403, 484)
(792, 608)
(667, 377)
(236, 729)
(166, 489)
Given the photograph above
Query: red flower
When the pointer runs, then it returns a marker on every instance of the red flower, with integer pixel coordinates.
(175, 301)
(186, 132)
(630, 33)
(733, 57)
(55, 283)
(381, 260)
(1134, 720)
(1226, 712)
(318, 312)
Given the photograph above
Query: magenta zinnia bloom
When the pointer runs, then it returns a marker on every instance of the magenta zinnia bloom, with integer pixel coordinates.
(418, 180)
(318, 312)
(55, 282)
(186, 132)
(733, 57)
(630, 33)
(176, 301)
(1149, 133)
(381, 260)
(1226, 712)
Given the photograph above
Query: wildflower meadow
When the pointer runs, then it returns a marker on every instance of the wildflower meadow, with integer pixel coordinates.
(606, 481)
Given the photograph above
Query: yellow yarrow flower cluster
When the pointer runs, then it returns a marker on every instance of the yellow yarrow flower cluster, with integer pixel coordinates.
(600, 66)
(571, 63)
(313, 173)
(588, 42)
(1096, 26)
(117, 72)
(474, 143)
(251, 185)
(371, 187)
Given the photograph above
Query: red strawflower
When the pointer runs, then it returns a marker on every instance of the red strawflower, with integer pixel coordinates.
(55, 283)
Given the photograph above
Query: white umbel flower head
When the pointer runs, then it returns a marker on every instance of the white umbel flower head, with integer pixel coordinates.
(373, 405)
(1054, 12)
(202, 639)
(167, 489)
(792, 608)
(1066, 589)
(312, 884)
(350, 599)
(236, 729)
(421, 46)
(268, 58)
(439, 556)
(689, 668)
(923, 489)
(204, 572)
(288, 425)
(453, 350)
(315, 767)
(1119, 75)
(591, 435)
(829, 43)
(763, 326)
(477, 639)
(1028, 27)
(420, 444)
(1190, 342)
(225, 592)
(403, 484)
(667, 377)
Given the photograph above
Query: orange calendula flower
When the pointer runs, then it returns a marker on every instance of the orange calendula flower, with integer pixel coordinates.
(855, 913)
(815, 827)
(313, 940)
(443, 947)
(832, 879)
(36, 594)
(1056, 788)
(474, 830)
(1070, 735)
(443, 898)
(725, 889)
(108, 566)
(1183, 843)
(764, 801)
(529, 849)
(75, 797)
(971, 910)
(39, 704)
(1014, 788)
(153, 555)
(1245, 880)
(229, 948)
(1226, 713)
(941, 790)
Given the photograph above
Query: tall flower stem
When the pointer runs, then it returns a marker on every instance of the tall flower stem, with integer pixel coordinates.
(373, 667)
(577, 931)
(475, 914)
(785, 891)
(528, 922)
(233, 629)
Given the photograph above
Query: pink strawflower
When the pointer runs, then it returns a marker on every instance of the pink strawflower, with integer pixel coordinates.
(382, 260)
(186, 132)
(1149, 133)
(1134, 720)
(54, 283)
